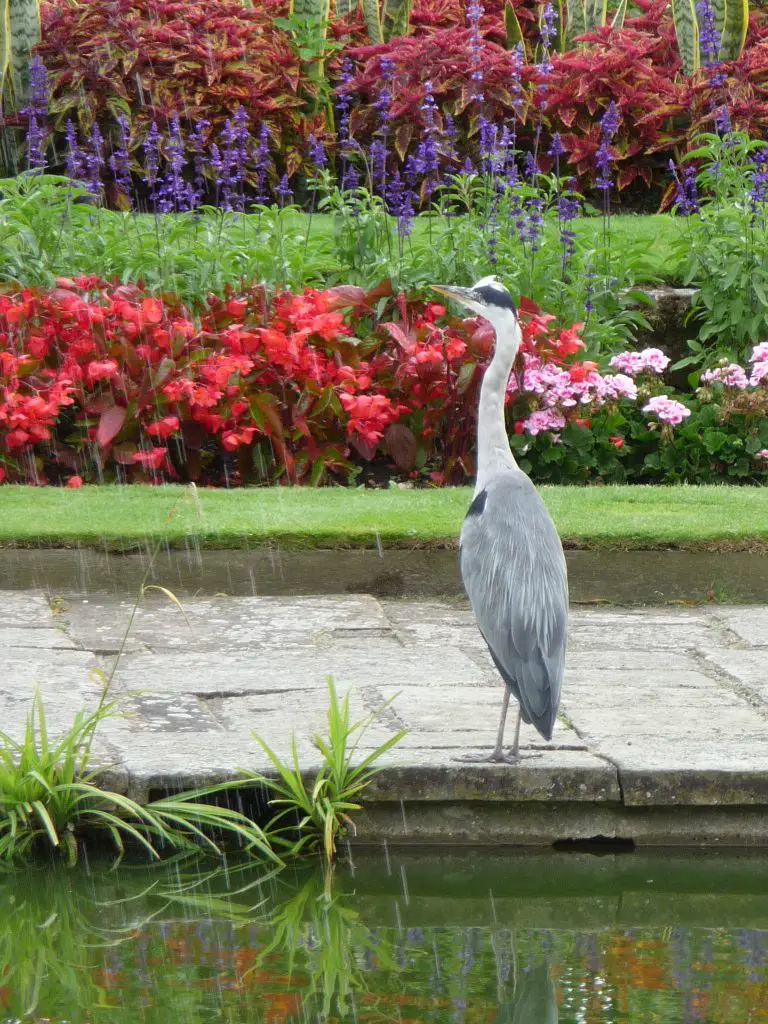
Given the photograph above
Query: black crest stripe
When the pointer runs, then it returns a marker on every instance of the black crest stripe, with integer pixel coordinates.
(495, 297)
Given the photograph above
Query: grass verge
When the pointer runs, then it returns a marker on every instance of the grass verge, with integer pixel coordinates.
(111, 517)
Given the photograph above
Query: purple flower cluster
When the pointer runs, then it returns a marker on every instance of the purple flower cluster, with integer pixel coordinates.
(686, 190)
(36, 113)
(120, 160)
(475, 11)
(609, 125)
(758, 192)
(75, 157)
(94, 161)
(709, 37)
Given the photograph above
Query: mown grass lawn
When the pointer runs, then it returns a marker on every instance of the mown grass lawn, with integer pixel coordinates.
(653, 234)
(183, 243)
(623, 517)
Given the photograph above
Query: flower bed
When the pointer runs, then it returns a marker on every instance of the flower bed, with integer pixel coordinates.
(102, 381)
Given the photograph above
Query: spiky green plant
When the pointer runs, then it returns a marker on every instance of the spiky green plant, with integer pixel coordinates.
(731, 19)
(50, 793)
(387, 18)
(19, 33)
(315, 816)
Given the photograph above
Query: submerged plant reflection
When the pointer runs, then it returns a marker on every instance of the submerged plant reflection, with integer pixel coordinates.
(319, 933)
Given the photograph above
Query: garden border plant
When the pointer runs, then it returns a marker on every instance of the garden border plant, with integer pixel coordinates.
(49, 792)
(317, 815)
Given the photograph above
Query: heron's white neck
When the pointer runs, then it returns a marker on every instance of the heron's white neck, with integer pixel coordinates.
(493, 451)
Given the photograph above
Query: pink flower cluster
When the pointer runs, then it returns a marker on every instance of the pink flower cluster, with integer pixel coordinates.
(762, 454)
(759, 360)
(566, 387)
(650, 360)
(735, 376)
(732, 375)
(667, 409)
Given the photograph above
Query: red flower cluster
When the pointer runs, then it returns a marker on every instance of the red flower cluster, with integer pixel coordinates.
(103, 380)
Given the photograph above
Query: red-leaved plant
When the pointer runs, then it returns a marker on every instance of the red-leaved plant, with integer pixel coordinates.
(104, 380)
(197, 59)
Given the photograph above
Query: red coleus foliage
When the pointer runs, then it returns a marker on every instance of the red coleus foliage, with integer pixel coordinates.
(637, 71)
(443, 58)
(103, 379)
(196, 58)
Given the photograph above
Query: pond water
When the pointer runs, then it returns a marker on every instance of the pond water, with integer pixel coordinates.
(407, 936)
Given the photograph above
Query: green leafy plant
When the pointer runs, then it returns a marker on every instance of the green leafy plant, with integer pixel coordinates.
(50, 793)
(315, 815)
(724, 248)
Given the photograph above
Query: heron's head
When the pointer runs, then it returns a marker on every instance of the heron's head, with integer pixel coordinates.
(491, 300)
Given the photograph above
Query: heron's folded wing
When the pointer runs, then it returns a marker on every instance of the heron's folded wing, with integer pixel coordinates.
(513, 569)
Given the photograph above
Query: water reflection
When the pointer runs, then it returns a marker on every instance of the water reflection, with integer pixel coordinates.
(533, 1001)
(470, 940)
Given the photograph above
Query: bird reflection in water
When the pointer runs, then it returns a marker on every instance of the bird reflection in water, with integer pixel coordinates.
(533, 999)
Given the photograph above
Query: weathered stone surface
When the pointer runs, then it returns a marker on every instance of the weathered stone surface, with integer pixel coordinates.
(649, 630)
(483, 822)
(663, 734)
(749, 668)
(748, 623)
(24, 608)
(20, 637)
(226, 624)
(241, 673)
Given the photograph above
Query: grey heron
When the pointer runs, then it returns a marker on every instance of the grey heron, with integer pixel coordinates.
(512, 561)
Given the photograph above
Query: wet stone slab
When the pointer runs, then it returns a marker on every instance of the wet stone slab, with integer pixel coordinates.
(24, 608)
(750, 625)
(224, 624)
(661, 709)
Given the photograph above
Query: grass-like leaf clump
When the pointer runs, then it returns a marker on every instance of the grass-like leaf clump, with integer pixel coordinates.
(315, 816)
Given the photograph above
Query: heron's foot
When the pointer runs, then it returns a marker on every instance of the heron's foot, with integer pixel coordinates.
(502, 757)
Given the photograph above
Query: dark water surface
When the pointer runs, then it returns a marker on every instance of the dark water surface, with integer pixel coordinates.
(408, 936)
(617, 577)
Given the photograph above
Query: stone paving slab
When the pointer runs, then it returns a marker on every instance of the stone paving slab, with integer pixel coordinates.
(664, 711)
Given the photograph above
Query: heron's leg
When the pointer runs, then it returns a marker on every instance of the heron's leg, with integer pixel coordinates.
(497, 754)
(515, 751)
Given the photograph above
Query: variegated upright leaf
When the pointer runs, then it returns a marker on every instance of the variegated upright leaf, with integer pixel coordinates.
(345, 7)
(5, 44)
(315, 9)
(687, 32)
(561, 39)
(617, 21)
(23, 24)
(396, 18)
(731, 21)
(512, 26)
(372, 17)
(596, 13)
(577, 20)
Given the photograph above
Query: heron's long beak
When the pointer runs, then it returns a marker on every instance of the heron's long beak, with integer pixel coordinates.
(463, 295)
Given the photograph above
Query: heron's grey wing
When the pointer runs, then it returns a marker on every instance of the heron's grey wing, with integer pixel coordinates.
(534, 1001)
(513, 569)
